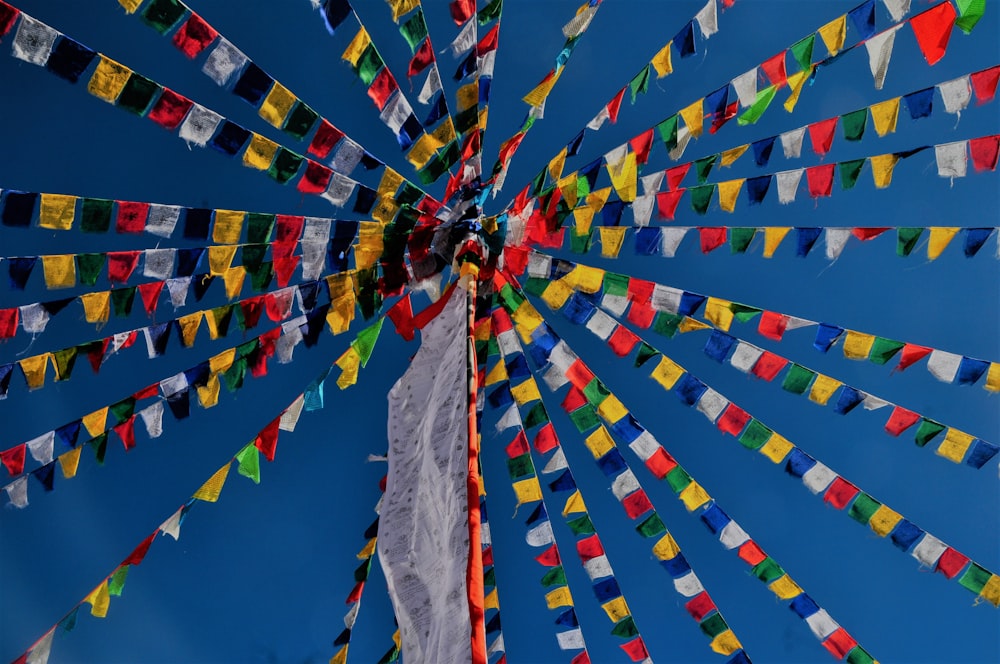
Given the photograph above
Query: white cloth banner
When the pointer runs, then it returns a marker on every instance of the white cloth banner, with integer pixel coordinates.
(423, 532)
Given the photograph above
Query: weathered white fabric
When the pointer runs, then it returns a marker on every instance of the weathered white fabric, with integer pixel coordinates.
(224, 60)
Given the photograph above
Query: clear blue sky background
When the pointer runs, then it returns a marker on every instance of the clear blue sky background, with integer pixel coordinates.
(262, 575)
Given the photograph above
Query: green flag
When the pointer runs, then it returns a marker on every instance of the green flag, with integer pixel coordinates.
(625, 628)
(755, 435)
(554, 577)
(757, 108)
(854, 123)
(364, 344)
(88, 267)
(116, 584)
(701, 197)
(646, 353)
(849, 172)
(249, 460)
(927, 430)
(767, 570)
(970, 11)
(639, 83)
(490, 12)
(652, 526)
(704, 166)
(884, 349)
(740, 238)
(802, 51)
(668, 132)
(581, 525)
(863, 507)
(414, 30)
(797, 379)
(95, 215)
(906, 240)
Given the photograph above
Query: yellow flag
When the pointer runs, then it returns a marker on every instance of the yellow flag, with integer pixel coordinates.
(94, 422)
(785, 588)
(492, 600)
(350, 364)
(189, 327)
(689, 324)
(993, 377)
(726, 643)
(728, 191)
(666, 548)
(567, 185)
(212, 319)
(776, 448)
(208, 394)
(467, 96)
(556, 165)
(423, 149)
(611, 409)
(558, 597)
(222, 361)
(773, 235)
(599, 442)
(574, 504)
(385, 209)
(940, 237)
(445, 133)
(537, 96)
(955, 444)
(130, 5)
(277, 105)
(991, 591)
(833, 34)
(526, 392)
(370, 236)
(401, 7)
(667, 372)
(60, 270)
(728, 157)
(858, 345)
(220, 258)
(341, 314)
(884, 520)
(210, 490)
(57, 211)
(527, 321)
(585, 278)
(694, 496)
(34, 369)
(796, 82)
(823, 388)
(228, 226)
(233, 279)
(661, 61)
(718, 312)
(99, 600)
(583, 220)
(390, 182)
(484, 114)
(612, 239)
(357, 46)
(96, 306)
(882, 166)
(616, 609)
(597, 198)
(527, 491)
(369, 549)
(497, 374)
(694, 117)
(624, 177)
(109, 78)
(69, 462)
(260, 154)
(884, 116)
(340, 657)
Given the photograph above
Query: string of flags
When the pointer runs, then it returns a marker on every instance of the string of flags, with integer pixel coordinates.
(648, 299)
(588, 402)
(365, 555)
(513, 367)
(819, 479)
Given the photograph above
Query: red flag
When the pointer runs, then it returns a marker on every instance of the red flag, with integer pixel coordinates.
(579, 375)
(516, 259)
(772, 325)
(401, 315)
(984, 152)
(170, 109)
(614, 105)
(289, 228)
(121, 264)
(462, 10)
(640, 291)
(139, 553)
(901, 420)
(933, 30)
(8, 15)
(518, 446)
(126, 431)
(951, 562)
(131, 217)
(635, 649)
(355, 593)
(622, 341)
(840, 493)
(666, 203)
(774, 68)
(750, 553)
(573, 400)
(820, 179)
(712, 238)
(660, 463)
(840, 643)
(316, 178)
(150, 294)
(636, 504)
(589, 547)
(912, 353)
(582, 658)
(325, 138)
(489, 41)
(192, 37)
(865, 234)
(267, 439)
(821, 134)
(641, 145)
(252, 308)
(382, 88)
(768, 365)
(545, 439)
(8, 322)
(284, 268)
(733, 420)
(147, 392)
(13, 459)
(984, 83)
(676, 174)
(641, 314)
(700, 606)
(421, 59)
(548, 558)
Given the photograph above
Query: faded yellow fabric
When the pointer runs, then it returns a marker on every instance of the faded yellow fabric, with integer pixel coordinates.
(611, 409)
(884, 116)
(612, 239)
(497, 374)
(558, 597)
(340, 657)
(694, 496)
(728, 157)
(390, 182)
(773, 235)
(60, 270)
(662, 62)
(220, 258)
(955, 444)
(833, 34)
(537, 96)
(260, 154)
(189, 327)
(222, 361)
(385, 209)
(108, 79)
(130, 5)
(357, 46)
(991, 591)
(210, 490)
(583, 218)
(228, 226)
(526, 392)
(212, 323)
(445, 133)
(796, 82)
(728, 191)
(233, 280)
(616, 609)
(277, 105)
(527, 491)
(718, 312)
(689, 324)
(556, 165)
(598, 198)
(70, 461)
(94, 422)
(57, 212)
(993, 377)
(423, 149)
(574, 504)
(349, 364)
(667, 372)
(492, 600)
(34, 369)
(694, 117)
(341, 313)
(208, 394)
(370, 236)
(940, 238)
(369, 549)
(484, 114)
(882, 166)
(99, 600)
(785, 588)
(585, 278)
(884, 520)
(599, 442)
(858, 345)
(567, 187)
(96, 306)
(527, 321)
(666, 548)
(556, 294)
(467, 96)
(776, 448)
(397, 639)
(726, 643)
(823, 388)
(482, 331)
(624, 177)
(401, 7)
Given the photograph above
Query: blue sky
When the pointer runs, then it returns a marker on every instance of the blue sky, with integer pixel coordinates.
(261, 576)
